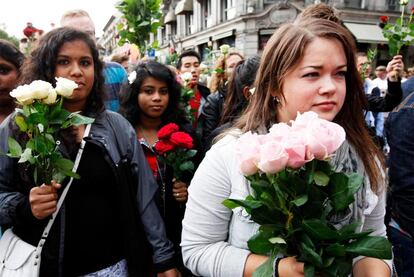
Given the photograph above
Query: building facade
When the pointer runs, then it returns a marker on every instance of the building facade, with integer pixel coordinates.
(246, 25)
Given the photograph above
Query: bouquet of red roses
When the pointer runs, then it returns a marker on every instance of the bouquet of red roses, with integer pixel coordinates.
(175, 149)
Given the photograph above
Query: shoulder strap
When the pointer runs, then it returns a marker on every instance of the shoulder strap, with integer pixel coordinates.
(65, 191)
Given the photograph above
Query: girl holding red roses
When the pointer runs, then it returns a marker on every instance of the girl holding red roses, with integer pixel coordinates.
(150, 103)
(306, 66)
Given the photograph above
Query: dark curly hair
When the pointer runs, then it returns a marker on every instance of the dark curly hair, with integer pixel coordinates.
(129, 95)
(10, 53)
(41, 64)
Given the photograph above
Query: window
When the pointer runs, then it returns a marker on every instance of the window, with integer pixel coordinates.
(228, 7)
(205, 13)
(188, 23)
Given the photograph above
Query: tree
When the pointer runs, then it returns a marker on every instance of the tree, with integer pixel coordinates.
(142, 18)
(4, 35)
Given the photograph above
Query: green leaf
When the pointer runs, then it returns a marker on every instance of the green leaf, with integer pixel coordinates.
(377, 247)
(336, 249)
(318, 229)
(343, 189)
(260, 243)
(248, 204)
(15, 150)
(265, 269)
(301, 200)
(309, 255)
(188, 165)
(20, 121)
(321, 179)
(309, 270)
(64, 164)
(229, 203)
(191, 153)
(26, 156)
(277, 240)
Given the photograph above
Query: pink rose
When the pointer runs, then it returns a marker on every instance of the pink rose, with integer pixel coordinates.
(279, 131)
(273, 157)
(324, 137)
(295, 146)
(303, 120)
(248, 153)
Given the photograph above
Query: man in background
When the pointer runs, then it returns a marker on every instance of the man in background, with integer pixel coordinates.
(114, 74)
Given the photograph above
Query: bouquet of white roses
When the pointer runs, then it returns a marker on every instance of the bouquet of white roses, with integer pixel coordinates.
(296, 192)
(40, 116)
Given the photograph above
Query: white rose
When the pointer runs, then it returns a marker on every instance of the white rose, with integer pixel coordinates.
(65, 87)
(186, 77)
(51, 98)
(224, 49)
(23, 94)
(403, 2)
(132, 76)
(40, 89)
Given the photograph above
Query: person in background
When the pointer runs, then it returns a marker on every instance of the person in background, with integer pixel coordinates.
(122, 60)
(11, 59)
(109, 215)
(399, 131)
(114, 74)
(189, 61)
(306, 66)
(151, 102)
(211, 112)
(238, 94)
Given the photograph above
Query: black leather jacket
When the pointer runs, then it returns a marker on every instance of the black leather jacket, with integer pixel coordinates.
(118, 141)
(211, 114)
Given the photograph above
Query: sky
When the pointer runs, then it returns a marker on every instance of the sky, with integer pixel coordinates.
(14, 14)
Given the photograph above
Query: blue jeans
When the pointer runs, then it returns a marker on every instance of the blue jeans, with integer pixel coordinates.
(403, 249)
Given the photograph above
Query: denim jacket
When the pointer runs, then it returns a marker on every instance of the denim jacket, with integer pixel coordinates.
(399, 130)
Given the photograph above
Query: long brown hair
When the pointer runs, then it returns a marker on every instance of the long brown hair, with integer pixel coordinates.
(282, 53)
(220, 76)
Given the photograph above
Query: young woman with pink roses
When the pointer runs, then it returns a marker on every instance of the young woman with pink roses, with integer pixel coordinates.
(151, 103)
(306, 66)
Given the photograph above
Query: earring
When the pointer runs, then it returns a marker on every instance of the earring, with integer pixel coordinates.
(276, 100)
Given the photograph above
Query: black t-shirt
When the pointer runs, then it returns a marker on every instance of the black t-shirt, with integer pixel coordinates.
(93, 239)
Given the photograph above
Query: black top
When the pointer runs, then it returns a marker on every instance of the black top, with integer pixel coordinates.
(92, 217)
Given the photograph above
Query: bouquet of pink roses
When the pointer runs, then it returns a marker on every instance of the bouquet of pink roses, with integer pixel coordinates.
(296, 192)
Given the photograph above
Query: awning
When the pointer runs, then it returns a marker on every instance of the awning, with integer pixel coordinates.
(184, 6)
(366, 33)
(223, 35)
(170, 17)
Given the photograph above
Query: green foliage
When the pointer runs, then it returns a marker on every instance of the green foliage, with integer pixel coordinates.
(294, 208)
(41, 123)
(399, 34)
(142, 18)
(4, 35)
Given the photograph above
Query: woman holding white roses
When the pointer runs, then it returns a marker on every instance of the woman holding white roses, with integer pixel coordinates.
(109, 214)
(306, 66)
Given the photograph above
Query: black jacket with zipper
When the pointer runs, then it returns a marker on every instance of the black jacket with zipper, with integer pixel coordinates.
(140, 216)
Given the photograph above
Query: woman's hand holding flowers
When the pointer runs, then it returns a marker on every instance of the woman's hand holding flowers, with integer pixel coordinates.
(43, 199)
(394, 68)
(180, 191)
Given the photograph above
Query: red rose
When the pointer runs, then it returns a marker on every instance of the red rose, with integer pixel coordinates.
(182, 139)
(384, 18)
(164, 146)
(412, 10)
(166, 131)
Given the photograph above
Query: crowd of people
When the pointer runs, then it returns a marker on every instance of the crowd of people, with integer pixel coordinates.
(129, 216)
